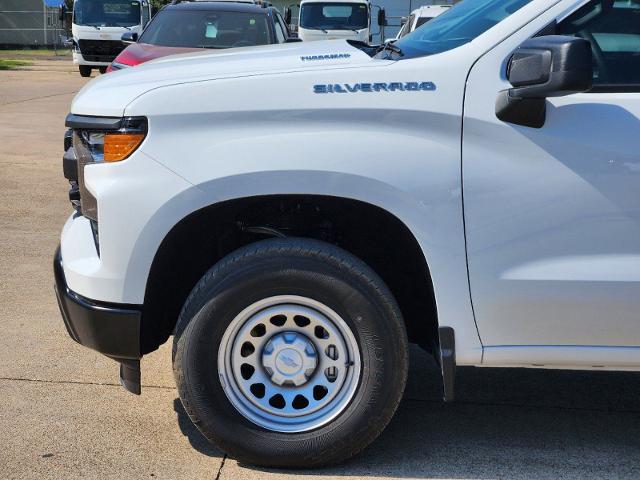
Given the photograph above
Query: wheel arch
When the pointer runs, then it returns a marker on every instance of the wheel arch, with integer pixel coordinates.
(206, 235)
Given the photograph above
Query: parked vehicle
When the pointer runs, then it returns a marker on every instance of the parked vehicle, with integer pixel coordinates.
(419, 17)
(97, 27)
(335, 19)
(195, 25)
(295, 215)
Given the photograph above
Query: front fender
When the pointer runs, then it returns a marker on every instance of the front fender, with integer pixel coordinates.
(438, 232)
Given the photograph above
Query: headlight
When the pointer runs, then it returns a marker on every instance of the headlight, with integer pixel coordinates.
(114, 145)
(98, 140)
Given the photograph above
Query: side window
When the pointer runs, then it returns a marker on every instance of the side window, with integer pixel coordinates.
(409, 25)
(284, 26)
(613, 28)
(145, 14)
(281, 36)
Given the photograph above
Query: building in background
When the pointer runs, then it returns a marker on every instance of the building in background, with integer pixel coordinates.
(30, 23)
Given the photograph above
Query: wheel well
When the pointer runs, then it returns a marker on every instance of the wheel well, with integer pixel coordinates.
(370, 233)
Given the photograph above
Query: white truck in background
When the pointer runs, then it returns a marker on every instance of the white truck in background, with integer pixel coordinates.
(97, 28)
(336, 19)
(419, 17)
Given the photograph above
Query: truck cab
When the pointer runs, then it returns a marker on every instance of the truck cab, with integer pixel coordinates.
(335, 19)
(295, 215)
(419, 17)
(98, 26)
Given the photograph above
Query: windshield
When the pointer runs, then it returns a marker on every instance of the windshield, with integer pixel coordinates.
(106, 13)
(422, 20)
(206, 29)
(458, 26)
(334, 16)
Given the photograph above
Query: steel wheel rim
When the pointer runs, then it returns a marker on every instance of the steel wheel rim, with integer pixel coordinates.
(289, 363)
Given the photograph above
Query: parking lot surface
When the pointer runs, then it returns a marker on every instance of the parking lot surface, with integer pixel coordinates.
(63, 414)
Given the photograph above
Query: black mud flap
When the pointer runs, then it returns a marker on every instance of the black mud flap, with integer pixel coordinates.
(448, 361)
(130, 376)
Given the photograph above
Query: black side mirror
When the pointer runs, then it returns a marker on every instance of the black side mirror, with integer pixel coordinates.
(382, 17)
(543, 67)
(63, 12)
(129, 37)
(287, 16)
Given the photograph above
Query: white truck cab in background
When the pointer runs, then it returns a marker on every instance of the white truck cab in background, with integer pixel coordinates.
(334, 19)
(98, 26)
(419, 17)
(295, 214)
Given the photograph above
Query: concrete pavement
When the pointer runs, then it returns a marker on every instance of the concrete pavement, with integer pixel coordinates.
(63, 415)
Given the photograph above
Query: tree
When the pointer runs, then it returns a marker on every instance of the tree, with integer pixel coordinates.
(159, 3)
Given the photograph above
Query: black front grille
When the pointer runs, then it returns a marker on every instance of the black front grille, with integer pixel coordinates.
(100, 50)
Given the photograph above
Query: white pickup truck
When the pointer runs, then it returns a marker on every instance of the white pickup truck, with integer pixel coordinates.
(296, 214)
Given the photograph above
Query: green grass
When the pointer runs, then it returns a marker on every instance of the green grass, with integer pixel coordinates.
(44, 52)
(12, 64)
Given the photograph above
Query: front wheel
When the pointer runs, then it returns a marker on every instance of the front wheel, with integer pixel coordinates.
(290, 353)
(103, 70)
(84, 71)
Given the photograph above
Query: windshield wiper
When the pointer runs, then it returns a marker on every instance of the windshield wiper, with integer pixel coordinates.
(391, 47)
(321, 29)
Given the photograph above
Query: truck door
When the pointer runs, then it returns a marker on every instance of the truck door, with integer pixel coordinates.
(553, 214)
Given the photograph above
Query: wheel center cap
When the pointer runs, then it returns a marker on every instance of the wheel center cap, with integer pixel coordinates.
(288, 361)
(289, 358)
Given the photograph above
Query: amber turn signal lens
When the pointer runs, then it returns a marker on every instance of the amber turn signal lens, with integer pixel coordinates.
(118, 146)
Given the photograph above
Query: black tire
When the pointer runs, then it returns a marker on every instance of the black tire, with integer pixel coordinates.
(291, 267)
(84, 71)
(103, 70)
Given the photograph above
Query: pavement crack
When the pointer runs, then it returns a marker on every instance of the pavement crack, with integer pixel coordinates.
(38, 98)
(224, 459)
(77, 382)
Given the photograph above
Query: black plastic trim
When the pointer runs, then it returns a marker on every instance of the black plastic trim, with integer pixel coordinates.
(130, 376)
(68, 139)
(70, 165)
(448, 361)
(111, 329)
(615, 88)
(85, 122)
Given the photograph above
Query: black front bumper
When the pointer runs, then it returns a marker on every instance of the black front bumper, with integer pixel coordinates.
(111, 329)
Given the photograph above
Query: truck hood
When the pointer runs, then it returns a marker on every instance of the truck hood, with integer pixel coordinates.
(109, 95)
(138, 53)
(101, 33)
(316, 35)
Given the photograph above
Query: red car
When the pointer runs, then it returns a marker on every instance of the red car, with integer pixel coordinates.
(194, 25)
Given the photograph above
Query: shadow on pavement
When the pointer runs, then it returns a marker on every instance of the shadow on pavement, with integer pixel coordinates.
(189, 430)
(506, 423)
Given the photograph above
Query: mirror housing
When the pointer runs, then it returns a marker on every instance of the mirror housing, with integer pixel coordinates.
(287, 15)
(63, 12)
(129, 37)
(544, 67)
(382, 17)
